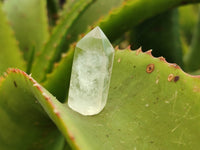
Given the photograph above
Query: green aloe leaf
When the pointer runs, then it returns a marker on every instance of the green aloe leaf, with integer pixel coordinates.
(151, 105)
(58, 81)
(188, 20)
(140, 114)
(160, 33)
(192, 60)
(53, 10)
(68, 29)
(135, 12)
(131, 11)
(91, 15)
(10, 54)
(28, 19)
(53, 48)
(22, 117)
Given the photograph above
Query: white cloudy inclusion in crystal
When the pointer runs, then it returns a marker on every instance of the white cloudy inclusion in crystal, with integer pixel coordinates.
(91, 72)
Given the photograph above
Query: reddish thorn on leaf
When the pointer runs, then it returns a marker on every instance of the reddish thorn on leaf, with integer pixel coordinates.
(117, 47)
(13, 70)
(162, 59)
(56, 65)
(73, 44)
(175, 66)
(24, 73)
(139, 50)
(82, 35)
(56, 112)
(149, 52)
(71, 136)
(91, 27)
(38, 87)
(129, 47)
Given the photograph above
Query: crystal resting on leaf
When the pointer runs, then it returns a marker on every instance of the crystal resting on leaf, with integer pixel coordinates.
(91, 73)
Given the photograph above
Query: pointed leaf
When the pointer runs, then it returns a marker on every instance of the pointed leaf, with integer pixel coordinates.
(28, 18)
(53, 48)
(58, 81)
(94, 12)
(24, 125)
(135, 12)
(10, 55)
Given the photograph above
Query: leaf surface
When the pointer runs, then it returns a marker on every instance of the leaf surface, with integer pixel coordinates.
(148, 108)
(151, 105)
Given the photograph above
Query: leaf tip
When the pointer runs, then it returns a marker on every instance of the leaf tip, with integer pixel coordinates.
(139, 50)
(162, 59)
(174, 65)
(38, 87)
(149, 52)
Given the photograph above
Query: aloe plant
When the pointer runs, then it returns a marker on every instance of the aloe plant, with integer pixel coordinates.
(152, 103)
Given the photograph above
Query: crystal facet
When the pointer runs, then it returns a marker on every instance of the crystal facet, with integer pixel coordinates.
(91, 72)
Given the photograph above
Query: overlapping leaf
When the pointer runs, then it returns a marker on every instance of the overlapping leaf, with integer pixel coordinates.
(24, 124)
(10, 55)
(29, 22)
(53, 48)
(192, 60)
(135, 12)
(160, 33)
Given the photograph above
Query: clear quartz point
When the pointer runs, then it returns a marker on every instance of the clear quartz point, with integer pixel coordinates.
(91, 73)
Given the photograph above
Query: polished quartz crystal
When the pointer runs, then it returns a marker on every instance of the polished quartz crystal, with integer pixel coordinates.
(91, 73)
